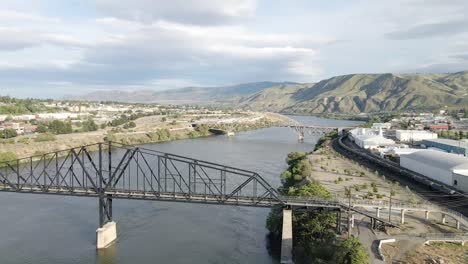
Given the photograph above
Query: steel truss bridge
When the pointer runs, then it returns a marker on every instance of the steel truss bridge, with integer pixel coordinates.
(109, 171)
(312, 130)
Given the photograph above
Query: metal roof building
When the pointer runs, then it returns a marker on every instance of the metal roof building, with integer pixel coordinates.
(440, 166)
(448, 145)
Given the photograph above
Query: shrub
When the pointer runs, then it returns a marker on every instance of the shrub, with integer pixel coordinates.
(24, 140)
(89, 125)
(7, 156)
(8, 133)
(351, 251)
(44, 137)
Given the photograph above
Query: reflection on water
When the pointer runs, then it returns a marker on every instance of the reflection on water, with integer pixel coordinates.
(55, 229)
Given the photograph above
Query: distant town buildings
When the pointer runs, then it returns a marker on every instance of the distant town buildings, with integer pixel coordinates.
(414, 135)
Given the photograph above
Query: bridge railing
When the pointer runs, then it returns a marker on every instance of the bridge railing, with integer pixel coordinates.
(445, 236)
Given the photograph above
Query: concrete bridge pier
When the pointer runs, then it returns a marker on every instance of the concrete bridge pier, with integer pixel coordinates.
(106, 234)
(402, 216)
(457, 223)
(377, 212)
(427, 215)
(301, 136)
(287, 239)
(352, 220)
(443, 220)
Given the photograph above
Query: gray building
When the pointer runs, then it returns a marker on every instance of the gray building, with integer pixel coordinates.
(448, 145)
(443, 167)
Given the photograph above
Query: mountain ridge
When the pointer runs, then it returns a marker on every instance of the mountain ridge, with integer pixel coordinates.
(351, 93)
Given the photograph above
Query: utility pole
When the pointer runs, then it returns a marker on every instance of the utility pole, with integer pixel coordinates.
(390, 205)
(348, 193)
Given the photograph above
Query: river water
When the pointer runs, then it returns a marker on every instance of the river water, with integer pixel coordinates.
(44, 229)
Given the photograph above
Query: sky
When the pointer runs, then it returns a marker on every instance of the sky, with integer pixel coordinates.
(50, 48)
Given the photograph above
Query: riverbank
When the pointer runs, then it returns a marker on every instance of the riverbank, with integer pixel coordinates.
(151, 129)
(314, 231)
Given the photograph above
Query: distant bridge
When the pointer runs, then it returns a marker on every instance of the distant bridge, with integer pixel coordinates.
(313, 130)
(110, 171)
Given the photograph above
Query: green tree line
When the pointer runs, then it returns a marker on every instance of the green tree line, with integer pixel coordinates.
(314, 232)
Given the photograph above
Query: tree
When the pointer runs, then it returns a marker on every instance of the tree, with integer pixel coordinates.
(131, 124)
(8, 133)
(89, 125)
(60, 127)
(310, 190)
(302, 170)
(42, 129)
(351, 251)
(295, 157)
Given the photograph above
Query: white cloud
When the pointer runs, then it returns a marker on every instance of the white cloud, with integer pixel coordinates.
(157, 43)
(203, 12)
(12, 16)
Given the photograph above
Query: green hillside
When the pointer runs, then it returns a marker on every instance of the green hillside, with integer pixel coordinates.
(357, 93)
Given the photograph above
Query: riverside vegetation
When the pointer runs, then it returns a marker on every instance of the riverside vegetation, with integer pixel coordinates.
(50, 140)
(314, 238)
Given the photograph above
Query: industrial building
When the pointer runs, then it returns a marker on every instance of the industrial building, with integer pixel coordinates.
(369, 138)
(440, 166)
(414, 135)
(447, 145)
(381, 125)
(372, 141)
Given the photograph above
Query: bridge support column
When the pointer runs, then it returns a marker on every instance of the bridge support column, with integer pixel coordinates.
(443, 220)
(107, 231)
(301, 137)
(377, 212)
(457, 224)
(352, 221)
(427, 215)
(106, 234)
(286, 240)
(402, 216)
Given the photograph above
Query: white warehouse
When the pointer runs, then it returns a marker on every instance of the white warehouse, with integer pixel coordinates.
(372, 141)
(414, 135)
(440, 166)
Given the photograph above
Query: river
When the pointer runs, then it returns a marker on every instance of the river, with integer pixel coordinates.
(44, 229)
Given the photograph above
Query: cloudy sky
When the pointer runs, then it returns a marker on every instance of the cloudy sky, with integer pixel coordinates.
(49, 48)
